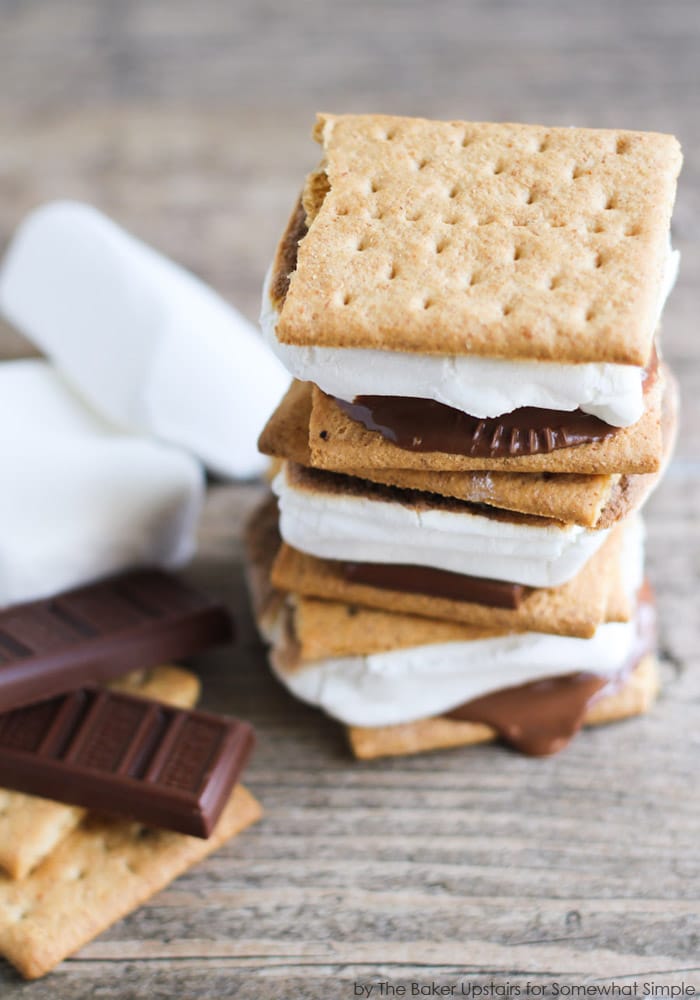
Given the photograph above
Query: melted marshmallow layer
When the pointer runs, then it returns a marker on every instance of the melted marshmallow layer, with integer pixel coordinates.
(404, 685)
(482, 387)
(356, 528)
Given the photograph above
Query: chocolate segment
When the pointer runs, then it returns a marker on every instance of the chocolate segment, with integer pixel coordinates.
(436, 583)
(92, 634)
(537, 718)
(121, 754)
(541, 717)
(425, 425)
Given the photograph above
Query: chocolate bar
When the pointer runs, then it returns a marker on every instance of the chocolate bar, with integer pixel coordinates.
(117, 753)
(89, 635)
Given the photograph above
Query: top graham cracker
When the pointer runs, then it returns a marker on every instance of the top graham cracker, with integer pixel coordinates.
(501, 240)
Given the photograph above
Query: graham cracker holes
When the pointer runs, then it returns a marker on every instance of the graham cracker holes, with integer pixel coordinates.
(554, 282)
(345, 299)
(610, 203)
(507, 309)
(374, 186)
(498, 167)
(622, 145)
(392, 272)
(441, 245)
(421, 164)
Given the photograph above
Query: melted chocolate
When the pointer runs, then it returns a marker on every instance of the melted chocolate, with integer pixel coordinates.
(537, 718)
(425, 425)
(541, 717)
(436, 583)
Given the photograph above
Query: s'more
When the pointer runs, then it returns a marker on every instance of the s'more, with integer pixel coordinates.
(480, 410)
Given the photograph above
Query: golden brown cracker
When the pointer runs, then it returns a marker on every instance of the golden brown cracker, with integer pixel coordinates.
(575, 608)
(100, 872)
(502, 240)
(571, 498)
(30, 827)
(439, 733)
(339, 443)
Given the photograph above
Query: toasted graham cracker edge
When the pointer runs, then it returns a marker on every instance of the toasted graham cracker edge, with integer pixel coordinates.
(30, 827)
(635, 698)
(576, 608)
(342, 444)
(570, 498)
(99, 873)
(416, 209)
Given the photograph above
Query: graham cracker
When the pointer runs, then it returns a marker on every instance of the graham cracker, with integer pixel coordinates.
(262, 541)
(439, 733)
(576, 608)
(571, 498)
(501, 240)
(30, 827)
(339, 443)
(100, 872)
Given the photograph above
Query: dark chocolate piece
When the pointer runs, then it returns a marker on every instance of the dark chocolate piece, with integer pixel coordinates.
(124, 755)
(537, 718)
(436, 583)
(541, 717)
(92, 634)
(425, 425)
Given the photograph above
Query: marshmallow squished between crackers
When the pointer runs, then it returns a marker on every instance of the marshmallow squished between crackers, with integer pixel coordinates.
(81, 500)
(149, 346)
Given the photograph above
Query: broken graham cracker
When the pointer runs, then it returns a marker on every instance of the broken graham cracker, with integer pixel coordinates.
(341, 444)
(500, 240)
(31, 827)
(440, 733)
(588, 500)
(100, 872)
(576, 608)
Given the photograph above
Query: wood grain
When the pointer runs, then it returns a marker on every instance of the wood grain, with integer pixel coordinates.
(189, 124)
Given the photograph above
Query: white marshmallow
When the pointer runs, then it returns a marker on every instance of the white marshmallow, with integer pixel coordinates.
(483, 387)
(364, 529)
(403, 685)
(150, 346)
(80, 500)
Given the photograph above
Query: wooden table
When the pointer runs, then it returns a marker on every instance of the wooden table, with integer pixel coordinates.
(188, 123)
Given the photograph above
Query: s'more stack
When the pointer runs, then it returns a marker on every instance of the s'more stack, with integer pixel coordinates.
(480, 409)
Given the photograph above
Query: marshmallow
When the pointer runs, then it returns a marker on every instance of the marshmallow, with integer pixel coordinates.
(81, 500)
(483, 387)
(367, 529)
(149, 346)
(404, 685)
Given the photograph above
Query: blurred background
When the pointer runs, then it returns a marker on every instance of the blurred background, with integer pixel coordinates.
(189, 121)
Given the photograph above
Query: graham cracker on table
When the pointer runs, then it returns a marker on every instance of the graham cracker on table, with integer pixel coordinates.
(339, 443)
(100, 872)
(439, 733)
(576, 608)
(501, 240)
(589, 500)
(30, 827)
